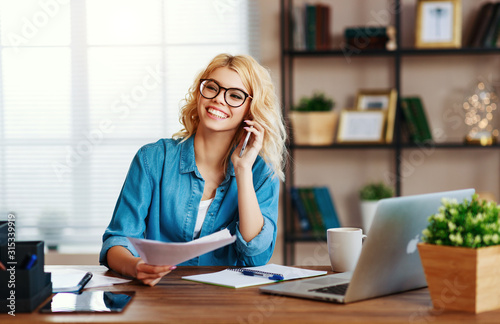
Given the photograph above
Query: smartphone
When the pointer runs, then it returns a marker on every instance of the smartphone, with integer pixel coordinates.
(245, 142)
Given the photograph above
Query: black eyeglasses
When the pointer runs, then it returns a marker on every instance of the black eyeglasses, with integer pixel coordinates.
(234, 97)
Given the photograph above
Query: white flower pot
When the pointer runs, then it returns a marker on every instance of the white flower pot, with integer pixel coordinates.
(368, 208)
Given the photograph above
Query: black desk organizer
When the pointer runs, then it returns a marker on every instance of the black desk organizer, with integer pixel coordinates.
(33, 286)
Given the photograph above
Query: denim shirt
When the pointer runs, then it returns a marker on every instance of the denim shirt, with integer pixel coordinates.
(160, 198)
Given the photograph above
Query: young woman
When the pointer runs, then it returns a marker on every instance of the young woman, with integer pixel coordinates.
(198, 183)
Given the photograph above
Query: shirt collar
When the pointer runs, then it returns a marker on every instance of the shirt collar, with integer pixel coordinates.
(188, 162)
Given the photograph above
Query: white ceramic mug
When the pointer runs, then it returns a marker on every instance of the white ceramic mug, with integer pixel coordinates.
(344, 247)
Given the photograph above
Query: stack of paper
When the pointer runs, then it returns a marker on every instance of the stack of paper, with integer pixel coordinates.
(235, 279)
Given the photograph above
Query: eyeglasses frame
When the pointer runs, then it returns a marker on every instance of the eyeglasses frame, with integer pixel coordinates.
(225, 91)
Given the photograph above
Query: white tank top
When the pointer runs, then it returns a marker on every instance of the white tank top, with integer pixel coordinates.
(202, 212)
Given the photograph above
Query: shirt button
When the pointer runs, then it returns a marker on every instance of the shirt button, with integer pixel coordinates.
(222, 190)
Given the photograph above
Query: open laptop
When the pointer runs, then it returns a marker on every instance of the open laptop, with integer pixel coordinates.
(389, 262)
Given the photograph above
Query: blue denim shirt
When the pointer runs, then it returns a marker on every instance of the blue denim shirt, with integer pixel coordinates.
(160, 198)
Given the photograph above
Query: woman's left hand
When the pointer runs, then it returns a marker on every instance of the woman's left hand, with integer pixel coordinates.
(252, 149)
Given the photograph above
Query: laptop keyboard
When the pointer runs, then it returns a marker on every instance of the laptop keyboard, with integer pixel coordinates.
(335, 290)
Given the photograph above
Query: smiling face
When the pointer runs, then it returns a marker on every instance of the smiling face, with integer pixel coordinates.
(215, 114)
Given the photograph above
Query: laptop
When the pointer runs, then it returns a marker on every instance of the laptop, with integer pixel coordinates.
(389, 262)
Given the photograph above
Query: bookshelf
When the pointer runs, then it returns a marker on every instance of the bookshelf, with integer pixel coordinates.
(395, 62)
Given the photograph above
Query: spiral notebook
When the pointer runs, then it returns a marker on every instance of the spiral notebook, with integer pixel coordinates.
(235, 278)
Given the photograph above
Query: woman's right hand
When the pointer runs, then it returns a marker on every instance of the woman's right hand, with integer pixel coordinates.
(149, 274)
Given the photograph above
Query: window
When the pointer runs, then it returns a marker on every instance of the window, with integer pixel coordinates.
(83, 85)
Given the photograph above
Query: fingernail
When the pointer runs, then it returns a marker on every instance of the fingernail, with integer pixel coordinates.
(173, 267)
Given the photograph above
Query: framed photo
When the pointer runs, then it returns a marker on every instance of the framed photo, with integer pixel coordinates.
(439, 24)
(361, 126)
(385, 100)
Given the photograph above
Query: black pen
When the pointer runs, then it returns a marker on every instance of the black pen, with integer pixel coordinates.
(85, 280)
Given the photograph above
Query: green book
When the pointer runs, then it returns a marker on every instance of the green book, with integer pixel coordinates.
(420, 119)
(310, 27)
(365, 31)
(481, 25)
(490, 37)
(410, 121)
(307, 196)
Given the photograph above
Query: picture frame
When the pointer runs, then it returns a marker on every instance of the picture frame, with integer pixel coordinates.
(439, 24)
(381, 99)
(361, 126)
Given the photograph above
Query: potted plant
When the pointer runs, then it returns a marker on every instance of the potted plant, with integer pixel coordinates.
(460, 254)
(313, 120)
(369, 195)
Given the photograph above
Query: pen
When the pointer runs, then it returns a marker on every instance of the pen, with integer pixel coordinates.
(31, 262)
(85, 280)
(254, 273)
(245, 142)
(2, 267)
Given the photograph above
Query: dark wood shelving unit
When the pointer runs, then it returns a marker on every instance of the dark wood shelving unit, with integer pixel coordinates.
(287, 80)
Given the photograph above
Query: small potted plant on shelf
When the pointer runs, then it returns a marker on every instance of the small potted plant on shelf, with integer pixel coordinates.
(460, 254)
(369, 195)
(313, 120)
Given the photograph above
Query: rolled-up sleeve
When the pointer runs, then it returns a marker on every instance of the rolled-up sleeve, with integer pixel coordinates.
(131, 209)
(259, 250)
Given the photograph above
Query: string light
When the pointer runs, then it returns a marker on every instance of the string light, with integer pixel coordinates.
(480, 107)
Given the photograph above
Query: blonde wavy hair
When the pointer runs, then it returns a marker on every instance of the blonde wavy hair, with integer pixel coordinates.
(264, 108)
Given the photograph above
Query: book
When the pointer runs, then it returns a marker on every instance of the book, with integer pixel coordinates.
(326, 207)
(490, 37)
(410, 122)
(298, 28)
(236, 279)
(304, 224)
(322, 26)
(371, 37)
(423, 128)
(313, 213)
(310, 24)
(365, 31)
(481, 24)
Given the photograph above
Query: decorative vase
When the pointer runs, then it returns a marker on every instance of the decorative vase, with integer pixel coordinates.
(313, 127)
(368, 208)
(462, 279)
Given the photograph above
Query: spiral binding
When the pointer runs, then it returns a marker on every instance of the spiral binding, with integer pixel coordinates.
(258, 272)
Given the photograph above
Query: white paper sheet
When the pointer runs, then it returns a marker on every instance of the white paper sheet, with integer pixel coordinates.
(161, 253)
(68, 279)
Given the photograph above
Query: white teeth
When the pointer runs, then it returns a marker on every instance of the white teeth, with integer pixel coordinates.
(217, 113)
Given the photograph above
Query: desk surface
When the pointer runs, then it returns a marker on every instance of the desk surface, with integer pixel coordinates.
(174, 300)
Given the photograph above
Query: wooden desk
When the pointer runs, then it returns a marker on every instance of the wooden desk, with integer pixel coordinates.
(174, 300)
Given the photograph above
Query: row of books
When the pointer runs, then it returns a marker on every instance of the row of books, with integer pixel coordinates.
(415, 120)
(371, 37)
(311, 27)
(486, 29)
(314, 209)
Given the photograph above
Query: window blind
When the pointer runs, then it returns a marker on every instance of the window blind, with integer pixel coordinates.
(83, 85)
